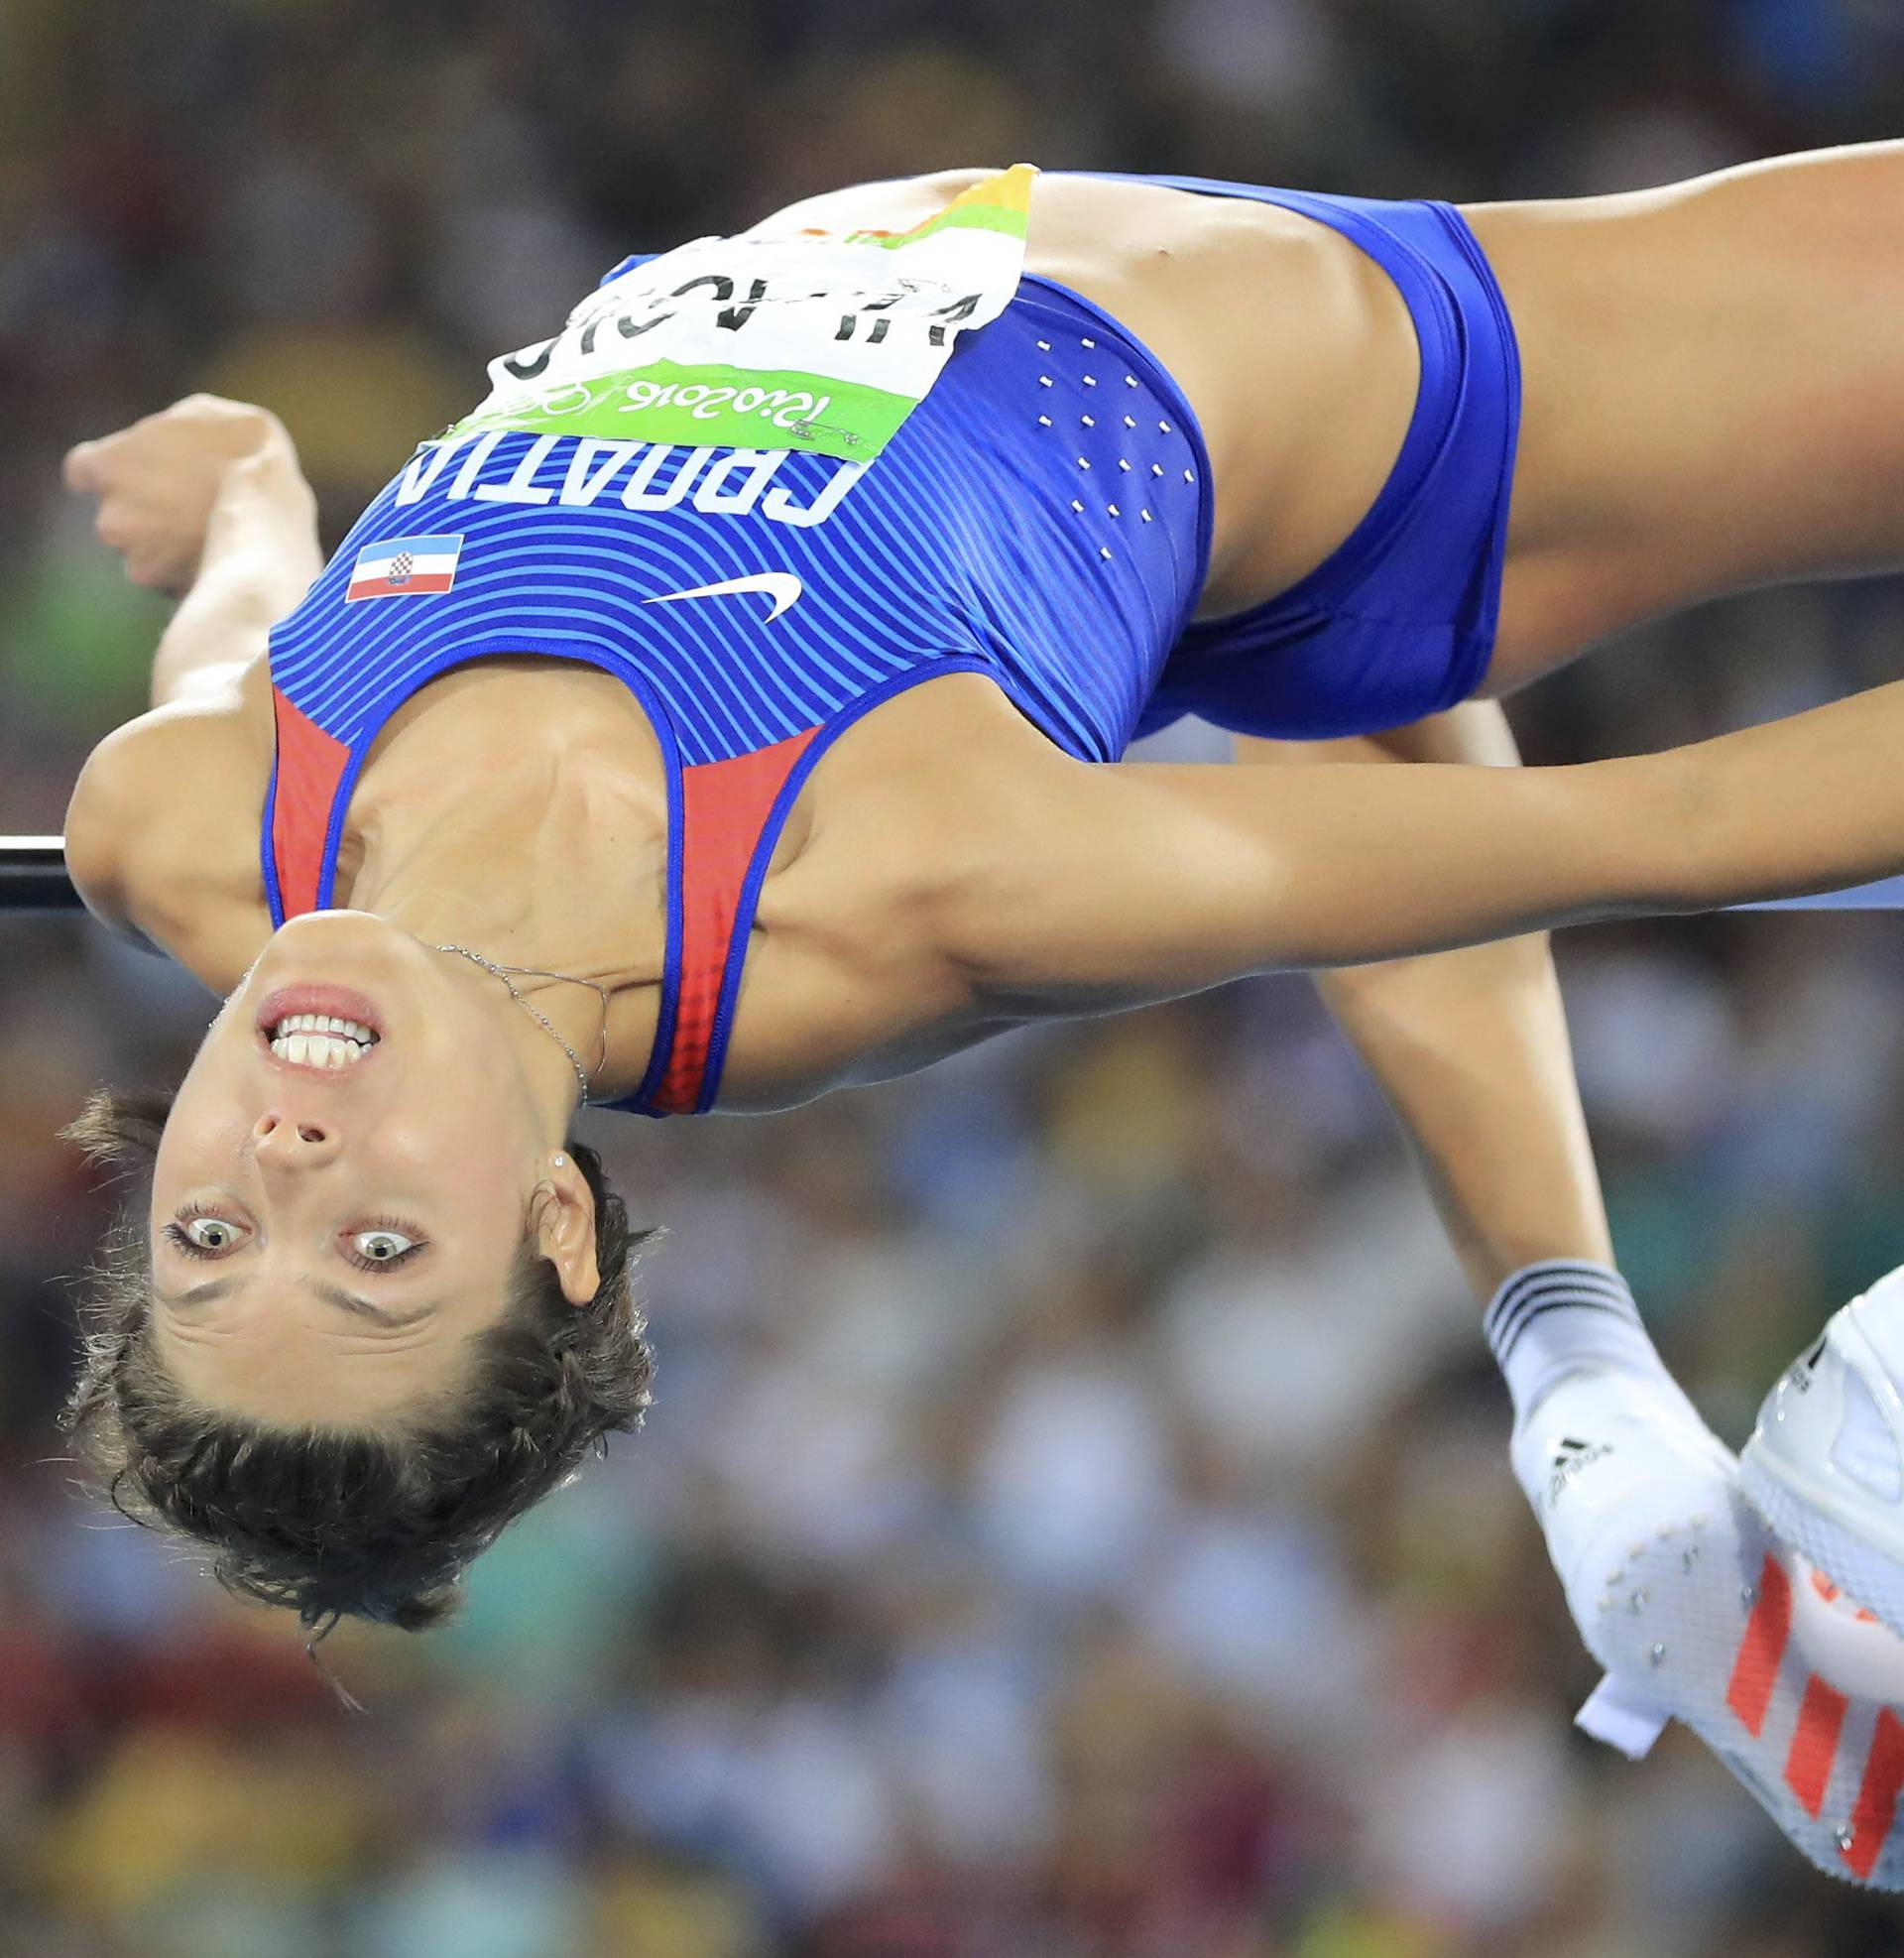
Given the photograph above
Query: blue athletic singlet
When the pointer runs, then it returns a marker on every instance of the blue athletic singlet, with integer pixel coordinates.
(1042, 516)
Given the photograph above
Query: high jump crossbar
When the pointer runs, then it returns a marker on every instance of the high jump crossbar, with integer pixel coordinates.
(34, 882)
(33, 876)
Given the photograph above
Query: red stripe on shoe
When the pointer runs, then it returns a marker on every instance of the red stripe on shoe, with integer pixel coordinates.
(1877, 1799)
(1808, 1767)
(1756, 1670)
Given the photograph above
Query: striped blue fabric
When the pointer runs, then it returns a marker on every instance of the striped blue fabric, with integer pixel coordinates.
(1045, 512)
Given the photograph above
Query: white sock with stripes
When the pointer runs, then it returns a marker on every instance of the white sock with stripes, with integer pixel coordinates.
(1566, 1336)
(1605, 1445)
(1569, 1316)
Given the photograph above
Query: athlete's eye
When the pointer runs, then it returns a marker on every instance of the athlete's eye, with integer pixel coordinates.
(201, 1236)
(381, 1248)
(375, 1248)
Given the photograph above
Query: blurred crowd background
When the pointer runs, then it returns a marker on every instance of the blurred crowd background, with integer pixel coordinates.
(1075, 1521)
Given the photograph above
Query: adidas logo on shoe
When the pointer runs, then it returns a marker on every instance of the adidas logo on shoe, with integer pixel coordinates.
(1571, 1457)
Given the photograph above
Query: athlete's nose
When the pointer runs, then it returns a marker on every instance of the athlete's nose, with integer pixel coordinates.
(280, 1138)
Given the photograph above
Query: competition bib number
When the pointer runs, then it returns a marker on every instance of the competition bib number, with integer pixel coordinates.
(817, 342)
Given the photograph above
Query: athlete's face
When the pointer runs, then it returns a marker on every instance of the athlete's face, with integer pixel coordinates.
(404, 1180)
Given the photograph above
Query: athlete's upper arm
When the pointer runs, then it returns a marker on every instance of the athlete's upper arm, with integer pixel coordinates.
(118, 814)
(98, 841)
(155, 797)
(1109, 886)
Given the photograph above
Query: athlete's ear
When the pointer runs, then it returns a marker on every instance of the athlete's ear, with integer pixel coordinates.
(563, 1224)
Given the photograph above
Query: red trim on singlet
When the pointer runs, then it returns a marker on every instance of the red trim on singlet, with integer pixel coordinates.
(724, 808)
(311, 764)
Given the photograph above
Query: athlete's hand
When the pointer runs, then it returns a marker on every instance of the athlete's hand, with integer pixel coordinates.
(160, 481)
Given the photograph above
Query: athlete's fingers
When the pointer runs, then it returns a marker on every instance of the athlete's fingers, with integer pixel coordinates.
(155, 571)
(150, 557)
(121, 527)
(112, 526)
(81, 469)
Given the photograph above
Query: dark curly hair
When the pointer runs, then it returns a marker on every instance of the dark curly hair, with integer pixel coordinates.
(350, 1520)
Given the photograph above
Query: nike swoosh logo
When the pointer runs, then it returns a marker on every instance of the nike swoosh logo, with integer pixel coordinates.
(780, 586)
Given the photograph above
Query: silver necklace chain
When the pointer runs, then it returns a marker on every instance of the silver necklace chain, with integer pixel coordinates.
(503, 971)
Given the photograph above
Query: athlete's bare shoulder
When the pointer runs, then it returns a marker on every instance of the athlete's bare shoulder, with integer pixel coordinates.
(161, 826)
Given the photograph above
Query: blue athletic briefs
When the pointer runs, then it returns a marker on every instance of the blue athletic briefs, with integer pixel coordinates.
(1399, 620)
(1043, 517)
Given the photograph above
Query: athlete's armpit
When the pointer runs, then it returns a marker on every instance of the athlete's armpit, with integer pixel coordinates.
(1116, 886)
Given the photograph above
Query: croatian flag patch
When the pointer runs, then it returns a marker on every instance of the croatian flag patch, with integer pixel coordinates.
(405, 568)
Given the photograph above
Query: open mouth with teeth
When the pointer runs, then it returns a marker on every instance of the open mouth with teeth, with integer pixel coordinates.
(316, 1040)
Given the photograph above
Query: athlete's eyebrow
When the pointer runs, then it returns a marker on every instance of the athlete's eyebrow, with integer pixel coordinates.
(200, 1294)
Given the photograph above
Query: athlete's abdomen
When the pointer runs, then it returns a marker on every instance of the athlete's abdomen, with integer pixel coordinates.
(1292, 347)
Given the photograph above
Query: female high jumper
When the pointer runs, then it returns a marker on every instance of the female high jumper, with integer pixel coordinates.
(731, 707)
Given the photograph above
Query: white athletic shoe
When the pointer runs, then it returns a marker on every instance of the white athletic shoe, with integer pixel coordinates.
(1701, 1615)
(1825, 1465)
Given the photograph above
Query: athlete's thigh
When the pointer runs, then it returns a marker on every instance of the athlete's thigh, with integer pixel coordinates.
(1712, 392)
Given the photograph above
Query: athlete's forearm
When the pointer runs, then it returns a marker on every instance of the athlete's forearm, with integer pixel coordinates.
(1814, 802)
(1371, 864)
(260, 555)
(1084, 888)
